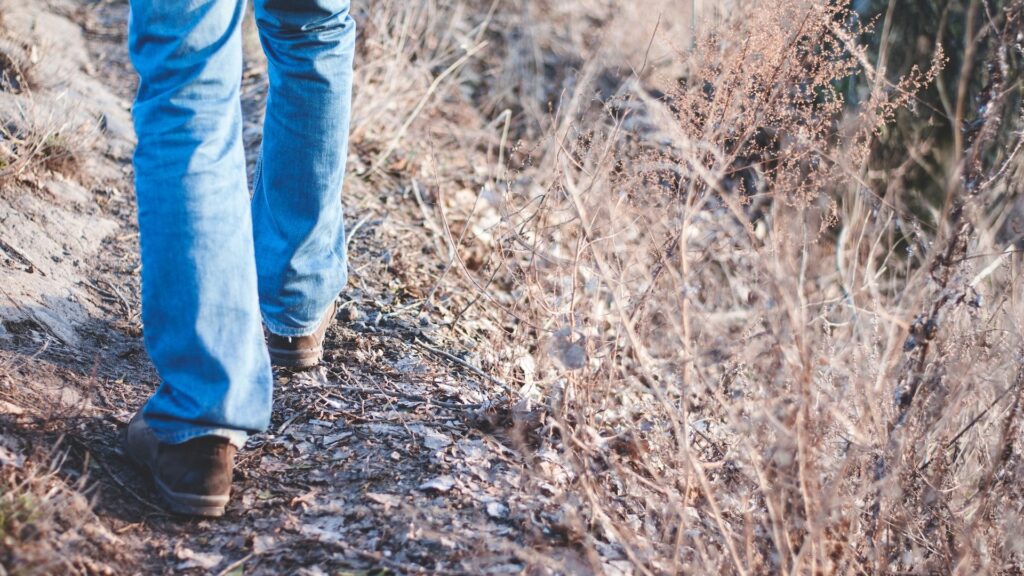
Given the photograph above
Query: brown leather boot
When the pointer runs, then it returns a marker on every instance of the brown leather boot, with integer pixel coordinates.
(300, 352)
(194, 478)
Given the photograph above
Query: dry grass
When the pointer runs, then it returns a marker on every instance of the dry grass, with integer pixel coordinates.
(18, 61)
(38, 142)
(761, 353)
(37, 134)
(46, 523)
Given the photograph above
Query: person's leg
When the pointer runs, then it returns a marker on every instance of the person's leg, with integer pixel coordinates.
(199, 286)
(297, 212)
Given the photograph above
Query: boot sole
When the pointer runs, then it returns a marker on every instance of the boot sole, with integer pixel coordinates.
(191, 504)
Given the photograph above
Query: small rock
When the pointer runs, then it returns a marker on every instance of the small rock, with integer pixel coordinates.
(497, 510)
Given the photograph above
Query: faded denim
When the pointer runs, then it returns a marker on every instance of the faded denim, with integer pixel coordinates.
(215, 264)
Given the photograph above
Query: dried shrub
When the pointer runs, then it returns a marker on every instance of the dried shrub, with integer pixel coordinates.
(755, 361)
(17, 63)
(33, 143)
(46, 523)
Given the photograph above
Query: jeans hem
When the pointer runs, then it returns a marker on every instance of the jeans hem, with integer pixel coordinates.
(235, 437)
(282, 330)
(290, 331)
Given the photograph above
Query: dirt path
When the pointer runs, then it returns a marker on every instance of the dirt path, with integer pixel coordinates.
(396, 457)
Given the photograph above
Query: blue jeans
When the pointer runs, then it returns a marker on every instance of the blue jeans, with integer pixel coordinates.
(215, 264)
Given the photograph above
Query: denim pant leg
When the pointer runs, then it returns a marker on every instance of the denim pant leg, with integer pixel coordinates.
(297, 213)
(200, 300)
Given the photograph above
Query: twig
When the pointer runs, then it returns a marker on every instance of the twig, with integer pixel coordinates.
(227, 569)
(464, 364)
(352, 233)
(128, 314)
(402, 396)
(429, 221)
(970, 424)
(20, 256)
(105, 294)
(991, 267)
(117, 480)
(40, 323)
(1006, 164)
(284, 426)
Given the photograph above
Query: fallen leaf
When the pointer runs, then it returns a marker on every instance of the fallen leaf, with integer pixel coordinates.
(262, 544)
(327, 529)
(410, 365)
(335, 438)
(306, 498)
(389, 501)
(473, 449)
(192, 559)
(435, 440)
(440, 484)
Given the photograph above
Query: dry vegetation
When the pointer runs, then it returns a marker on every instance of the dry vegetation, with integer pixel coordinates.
(756, 291)
(47, 525)
(40, 129)
(759, 344)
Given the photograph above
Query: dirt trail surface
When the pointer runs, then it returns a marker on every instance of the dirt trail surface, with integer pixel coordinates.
(398, 456)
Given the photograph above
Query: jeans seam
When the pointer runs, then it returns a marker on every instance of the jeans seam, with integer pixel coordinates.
(257, 175)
